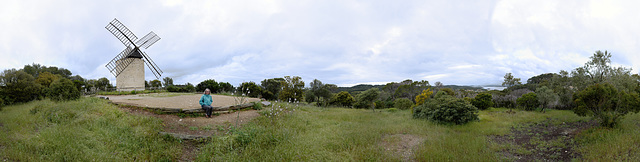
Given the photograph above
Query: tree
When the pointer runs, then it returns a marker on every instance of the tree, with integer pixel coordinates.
(449, 91)
(46, 78)
(409, 89)
(528, 101)
(225, 87)
(343, 98)
(271, 88)
(366, 98)
(438, 85)
(251, 89)
(213, 86)
(420, 99)
(18, 86)
(482, 101)
(63, 89)
(155, 83)
(606, 103)
(167, 82)
(103, 84)
(292, 89)
(510, 81)
(320, 91)
(546, 97)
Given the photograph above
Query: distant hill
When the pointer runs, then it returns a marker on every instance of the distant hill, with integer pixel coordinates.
(363, 87)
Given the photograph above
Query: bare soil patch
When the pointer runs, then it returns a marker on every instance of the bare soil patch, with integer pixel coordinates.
(174, 100)
(197, 126)
(183, 125)
(543, 141)
(401, 145)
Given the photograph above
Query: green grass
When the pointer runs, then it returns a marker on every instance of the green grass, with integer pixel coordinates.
(338, 134)
(84, 130)
(91, 129)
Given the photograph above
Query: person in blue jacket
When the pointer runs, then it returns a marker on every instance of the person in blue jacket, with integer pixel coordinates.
(205, 101)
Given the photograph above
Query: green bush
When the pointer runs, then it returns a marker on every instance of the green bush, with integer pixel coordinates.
(482, 101)
(402, 103)
(447, 109)
(606, 103)
(392, 110)
(19, 87)
(63, 89)
(380, 104)
(343, 99)
(257, 106)
(528, 101)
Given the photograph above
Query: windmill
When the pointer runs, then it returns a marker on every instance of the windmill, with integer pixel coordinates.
(128, 66)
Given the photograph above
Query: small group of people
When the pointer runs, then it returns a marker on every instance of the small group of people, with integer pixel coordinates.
(205, 101)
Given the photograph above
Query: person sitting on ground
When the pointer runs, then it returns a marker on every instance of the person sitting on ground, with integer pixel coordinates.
(205, 101)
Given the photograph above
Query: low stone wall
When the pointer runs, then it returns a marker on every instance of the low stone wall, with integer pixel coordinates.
(199, 110)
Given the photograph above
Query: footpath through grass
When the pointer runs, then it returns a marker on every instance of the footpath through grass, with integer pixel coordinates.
(88, 129)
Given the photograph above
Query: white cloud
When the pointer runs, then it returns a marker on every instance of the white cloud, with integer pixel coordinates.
(340, 42)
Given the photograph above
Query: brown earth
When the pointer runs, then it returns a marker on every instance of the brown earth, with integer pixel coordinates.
(543, 141)
(174, 100)
(401, 145)
(198, 126)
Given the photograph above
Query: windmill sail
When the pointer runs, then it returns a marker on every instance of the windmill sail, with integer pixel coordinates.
(119, 63)
(148, 40)
(121, 32)
(152, 66)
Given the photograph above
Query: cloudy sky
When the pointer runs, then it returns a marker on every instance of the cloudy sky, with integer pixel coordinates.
(340, 42)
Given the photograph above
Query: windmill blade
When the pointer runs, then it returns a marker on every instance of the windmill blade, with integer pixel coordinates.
(121, 32)
(148, 40)
(116, 67)
(152, 65)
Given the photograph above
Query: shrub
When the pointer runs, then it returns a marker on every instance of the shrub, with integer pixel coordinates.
(379, 104)
(606, 103)
(63, 89)
(366, 98)
(343, 99)
(447, 109)
(402, 103)
(19, 86)
(257, 106)
(423, 96)
(482, 101)
(528, 101)
(392, 110)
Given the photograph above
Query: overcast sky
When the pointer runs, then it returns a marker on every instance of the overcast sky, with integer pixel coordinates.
(340, 42)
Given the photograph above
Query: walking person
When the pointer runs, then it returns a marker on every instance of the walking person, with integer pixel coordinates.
(205, 101)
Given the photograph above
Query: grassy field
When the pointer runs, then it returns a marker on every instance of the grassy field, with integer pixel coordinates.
(91, 129)
(337, 134)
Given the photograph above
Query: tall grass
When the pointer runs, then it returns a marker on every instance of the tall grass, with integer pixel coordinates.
(88, 129)
(619, 144)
